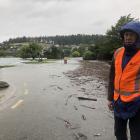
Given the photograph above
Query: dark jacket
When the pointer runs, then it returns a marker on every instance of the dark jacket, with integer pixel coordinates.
(111, 81)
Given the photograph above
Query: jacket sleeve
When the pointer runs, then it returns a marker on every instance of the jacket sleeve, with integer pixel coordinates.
(110, 95)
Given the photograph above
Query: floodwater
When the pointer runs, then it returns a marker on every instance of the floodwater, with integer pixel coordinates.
(48, 106)
(10, 61)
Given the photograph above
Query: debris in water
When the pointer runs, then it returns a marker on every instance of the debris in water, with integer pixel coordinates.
(98, 86)
(98, 134)
(75, 108)
(68, 124)
(83, 117)
(60, 88)
(84, 98)
(69, 98)
(79, 136)
(87, 107)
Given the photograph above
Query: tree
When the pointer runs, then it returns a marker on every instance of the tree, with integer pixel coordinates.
(113, 40)
(114, 31)
(24, 52)
(2, 53)
(33, 50)
(54, 53)
(66, 52)
(113, 35)
(82, 48)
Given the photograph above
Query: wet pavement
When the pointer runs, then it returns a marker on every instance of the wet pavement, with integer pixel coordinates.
(42, 102)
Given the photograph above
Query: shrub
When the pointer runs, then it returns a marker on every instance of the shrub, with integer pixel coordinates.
(75, 54)
(88, 55)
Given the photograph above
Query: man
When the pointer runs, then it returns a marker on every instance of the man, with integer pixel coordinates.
(124, 83)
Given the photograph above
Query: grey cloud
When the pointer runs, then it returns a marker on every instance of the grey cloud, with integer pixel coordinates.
(98, 23)
(44, 1)
(51, 17)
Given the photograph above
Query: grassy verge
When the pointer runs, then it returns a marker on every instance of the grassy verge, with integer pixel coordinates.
(6, 66)
(39, 62)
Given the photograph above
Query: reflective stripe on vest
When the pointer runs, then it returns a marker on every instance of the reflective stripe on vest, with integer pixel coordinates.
(126, 93)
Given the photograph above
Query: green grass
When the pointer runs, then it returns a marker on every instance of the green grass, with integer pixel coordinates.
(39, 62)
(6, 66)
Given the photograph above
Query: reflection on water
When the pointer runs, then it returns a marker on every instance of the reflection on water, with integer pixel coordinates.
(10, 61)
(16, 61)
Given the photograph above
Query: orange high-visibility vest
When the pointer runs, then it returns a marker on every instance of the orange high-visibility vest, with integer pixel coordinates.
(127, 81)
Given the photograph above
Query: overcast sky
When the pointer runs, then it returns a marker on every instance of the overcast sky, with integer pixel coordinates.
(62, 17)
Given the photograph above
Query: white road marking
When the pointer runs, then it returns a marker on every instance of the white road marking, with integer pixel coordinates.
(17, 104)
(25, 84)
(26, 92)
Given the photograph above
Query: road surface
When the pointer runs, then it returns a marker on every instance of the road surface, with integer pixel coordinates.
(41, 104)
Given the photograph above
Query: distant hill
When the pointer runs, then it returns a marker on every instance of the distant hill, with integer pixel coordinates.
(60, 40)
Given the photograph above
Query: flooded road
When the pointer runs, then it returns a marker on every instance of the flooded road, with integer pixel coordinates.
(41, 102)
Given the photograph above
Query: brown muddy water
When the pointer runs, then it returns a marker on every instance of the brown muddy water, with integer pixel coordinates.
(51, 110)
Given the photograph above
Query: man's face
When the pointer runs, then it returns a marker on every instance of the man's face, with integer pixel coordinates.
(130, 37)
